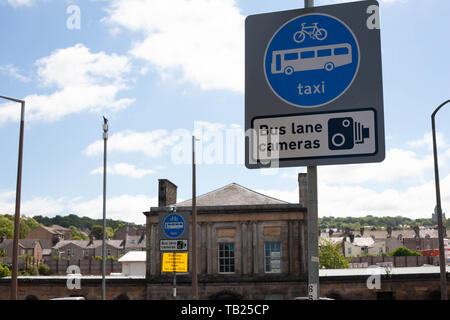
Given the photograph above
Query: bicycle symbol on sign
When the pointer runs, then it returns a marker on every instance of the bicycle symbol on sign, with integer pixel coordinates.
(314, 32)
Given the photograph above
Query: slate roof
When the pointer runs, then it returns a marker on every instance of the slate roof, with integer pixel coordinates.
(231, 194)
(23, 243)
(86, 244)
(382, 235)
(359, 242)
(134, 242)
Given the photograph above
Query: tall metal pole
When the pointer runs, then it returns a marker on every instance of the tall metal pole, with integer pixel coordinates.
(105, 139)
(312, 226)
(15, 257)
(313, 236)
(442, 262)
(194, 227)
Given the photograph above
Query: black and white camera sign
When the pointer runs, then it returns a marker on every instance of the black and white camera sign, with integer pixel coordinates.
(319, 135)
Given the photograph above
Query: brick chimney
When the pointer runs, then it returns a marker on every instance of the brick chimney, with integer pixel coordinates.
(167, 193)
(302, 189)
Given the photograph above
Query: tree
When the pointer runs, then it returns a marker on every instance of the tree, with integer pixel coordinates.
(97, 232)
(4, 271)
(403, 251)
(44, 270)
(330, 255)
(26, 225)
(77, 235)
(6, 226)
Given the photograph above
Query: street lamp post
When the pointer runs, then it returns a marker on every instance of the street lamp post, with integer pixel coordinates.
(105, 139)
(194, 226)
(442, 262)
(15, 261)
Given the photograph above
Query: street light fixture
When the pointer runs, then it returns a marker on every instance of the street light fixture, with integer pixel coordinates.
(442, 262)
(15, 260)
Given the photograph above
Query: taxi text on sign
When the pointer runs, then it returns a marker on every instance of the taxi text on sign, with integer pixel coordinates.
(313, 86)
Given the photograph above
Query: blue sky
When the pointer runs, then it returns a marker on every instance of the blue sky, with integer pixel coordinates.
(160, 70)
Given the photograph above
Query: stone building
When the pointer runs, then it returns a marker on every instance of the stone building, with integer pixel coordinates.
(86, 249)
(52, 234)
(247, 243)
(29, 247)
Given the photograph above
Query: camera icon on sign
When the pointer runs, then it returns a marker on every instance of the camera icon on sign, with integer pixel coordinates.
(344, 133)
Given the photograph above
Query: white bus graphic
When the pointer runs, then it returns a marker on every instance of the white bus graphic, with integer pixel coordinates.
(325, 57)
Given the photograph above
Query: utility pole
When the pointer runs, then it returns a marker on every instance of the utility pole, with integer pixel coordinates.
(194, 227)
(442, 262)
(105, 139)
(15, 257)
(312, 226)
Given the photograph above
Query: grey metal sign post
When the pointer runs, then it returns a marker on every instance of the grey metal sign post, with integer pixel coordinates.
(174, 236)
(312, 223)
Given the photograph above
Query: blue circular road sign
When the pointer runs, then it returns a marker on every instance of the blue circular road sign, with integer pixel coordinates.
(311, 60)
(173, 225)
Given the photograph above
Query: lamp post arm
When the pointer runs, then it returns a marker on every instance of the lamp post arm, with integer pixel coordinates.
(442, 263)
(15, 259)
(437, 109)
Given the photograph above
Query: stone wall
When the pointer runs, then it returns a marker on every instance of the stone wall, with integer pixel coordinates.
(399, 287)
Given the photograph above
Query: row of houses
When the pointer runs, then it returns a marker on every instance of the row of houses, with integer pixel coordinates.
(363, 242)
(44, 244)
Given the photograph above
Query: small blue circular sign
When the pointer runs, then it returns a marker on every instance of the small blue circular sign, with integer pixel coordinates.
(311, 60)
(173, 225)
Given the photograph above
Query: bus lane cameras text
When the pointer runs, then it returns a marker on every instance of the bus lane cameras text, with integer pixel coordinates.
(296, 129)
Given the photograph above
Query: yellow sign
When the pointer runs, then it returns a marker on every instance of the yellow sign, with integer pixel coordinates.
(175, 262)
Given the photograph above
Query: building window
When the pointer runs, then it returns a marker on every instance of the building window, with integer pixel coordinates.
(108, 252)
(226, 257)
(73, 253)
(349, 251)
(272, 257)
(86, 253)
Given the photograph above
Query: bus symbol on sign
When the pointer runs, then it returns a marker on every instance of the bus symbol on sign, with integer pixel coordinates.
(311, 60)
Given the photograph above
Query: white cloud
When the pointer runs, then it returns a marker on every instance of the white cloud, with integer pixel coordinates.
(21, 3)
(13, 72)
(391, 169)
(202, 38)
(124, 169)
(125, 207)
(217, 143)
(427, 141)
(86, 82)
(417, 201)
(151, 143)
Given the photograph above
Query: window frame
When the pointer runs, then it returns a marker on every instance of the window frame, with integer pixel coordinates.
(270, 257)
(224, 259)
